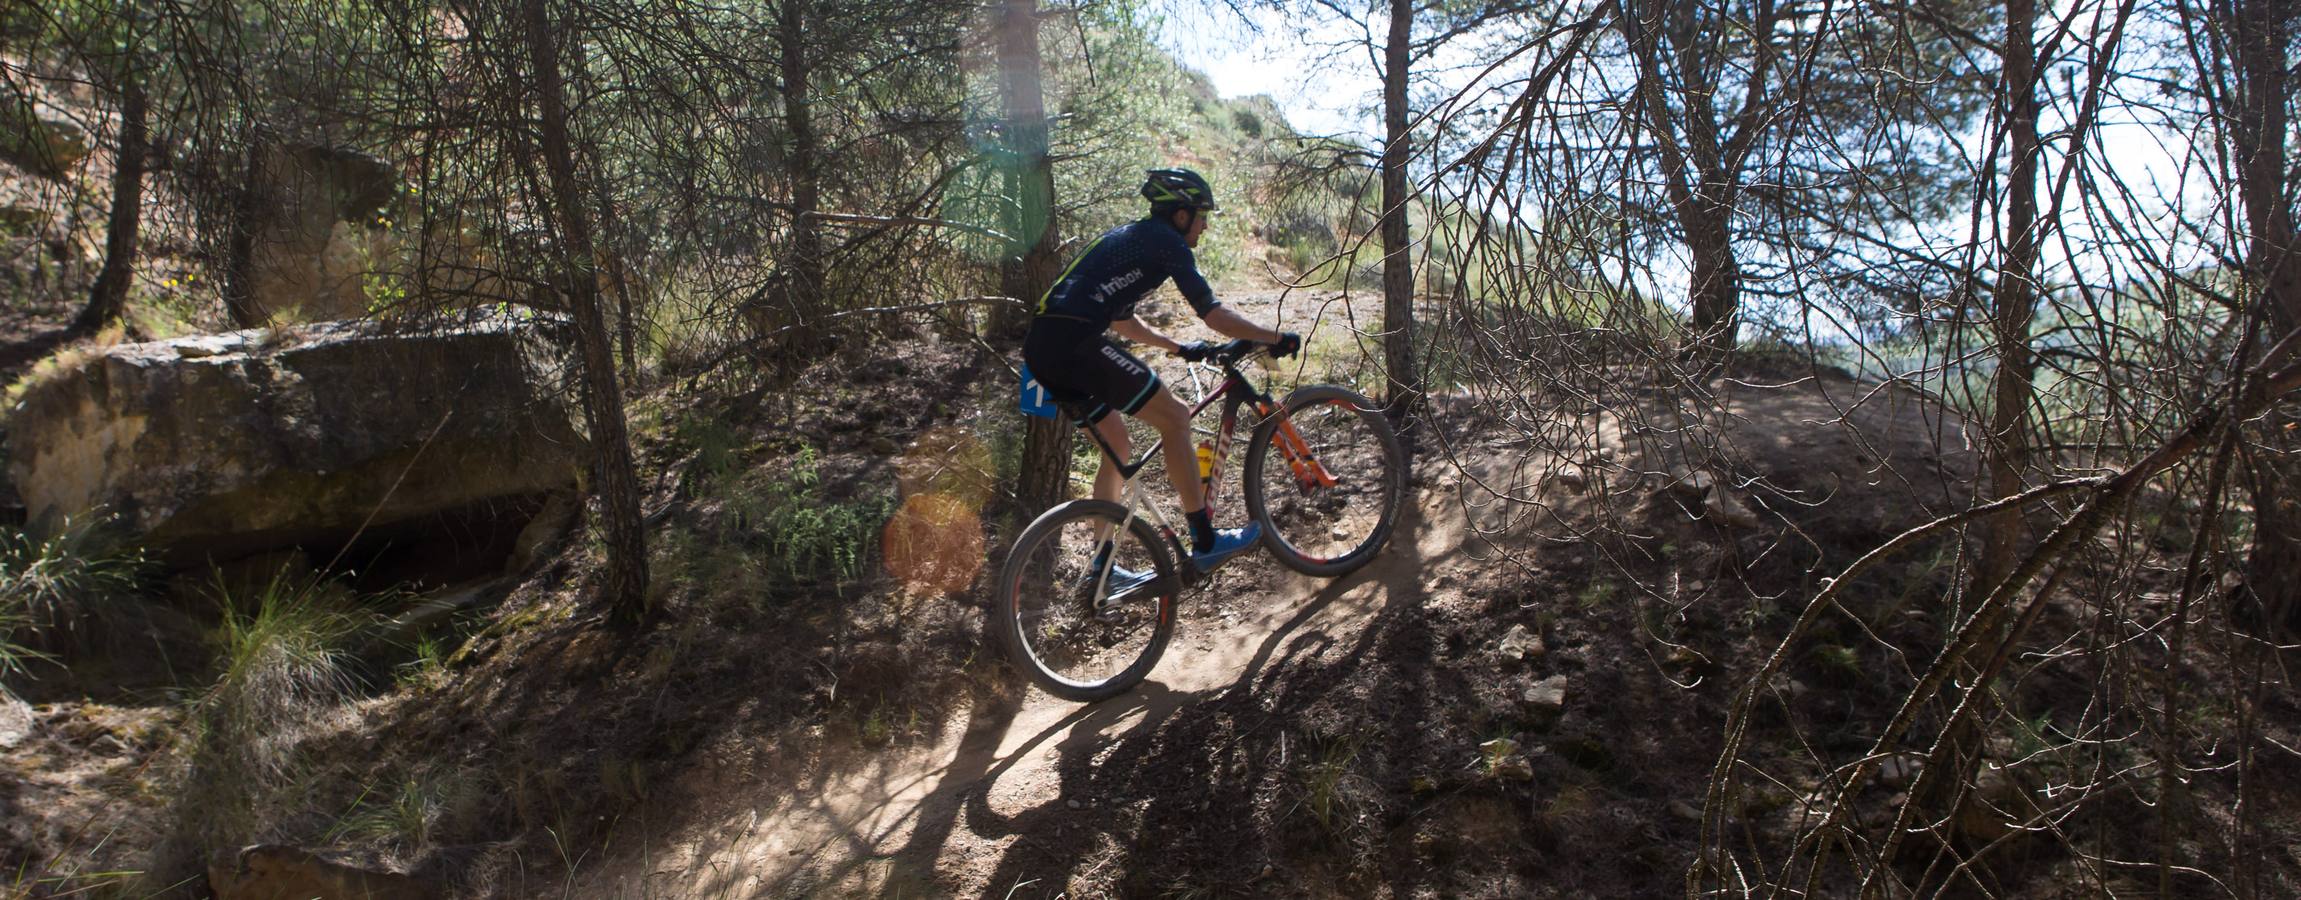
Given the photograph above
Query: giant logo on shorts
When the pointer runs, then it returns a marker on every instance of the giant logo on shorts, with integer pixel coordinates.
(1124, 361)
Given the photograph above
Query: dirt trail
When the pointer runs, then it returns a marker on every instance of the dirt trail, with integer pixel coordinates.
(946, 819)
(958, 817)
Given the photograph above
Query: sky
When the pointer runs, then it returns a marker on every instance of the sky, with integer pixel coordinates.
(1335, 96)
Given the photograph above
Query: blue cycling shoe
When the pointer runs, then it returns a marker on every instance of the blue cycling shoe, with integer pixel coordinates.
(1228, 542)
(1121, 581)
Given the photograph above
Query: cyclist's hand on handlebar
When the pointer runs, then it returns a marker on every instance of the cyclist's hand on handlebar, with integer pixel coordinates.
(1288, 344)
(1195, 351)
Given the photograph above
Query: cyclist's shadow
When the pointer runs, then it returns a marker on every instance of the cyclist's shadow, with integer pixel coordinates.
(1054, 834)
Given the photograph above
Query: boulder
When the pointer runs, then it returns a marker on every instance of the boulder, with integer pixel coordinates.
(220, 446)
(316, 216)
(44, 147)
(275, 872)
(17, 721)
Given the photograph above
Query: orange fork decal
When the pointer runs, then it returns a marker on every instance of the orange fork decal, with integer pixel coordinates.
(1307, 469)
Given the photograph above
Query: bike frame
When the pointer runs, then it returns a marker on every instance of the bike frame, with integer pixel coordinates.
(1238, 390)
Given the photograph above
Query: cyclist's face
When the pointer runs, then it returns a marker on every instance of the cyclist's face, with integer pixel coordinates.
(1197, 227)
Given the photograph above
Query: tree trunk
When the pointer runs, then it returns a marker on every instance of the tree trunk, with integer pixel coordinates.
(1402, 394)
(617, 482)
(1700, 173)
(109, 299)
(1030, 266)
(803, 297)
(2260, 32)
(1958, 755)
(2007, 454)
(240, 245)
(619, 276)
(1714, 297)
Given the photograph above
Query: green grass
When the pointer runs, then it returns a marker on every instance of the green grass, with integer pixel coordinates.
(283, 647)
(51, 585)
(1340, 799)
(406, 813)
(808, 536)
(281, 661)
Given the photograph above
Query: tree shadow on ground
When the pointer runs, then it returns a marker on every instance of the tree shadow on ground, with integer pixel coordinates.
(1181, 797)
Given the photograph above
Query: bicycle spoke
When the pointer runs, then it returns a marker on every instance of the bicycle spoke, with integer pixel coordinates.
(1073, 645)
(1327, 478)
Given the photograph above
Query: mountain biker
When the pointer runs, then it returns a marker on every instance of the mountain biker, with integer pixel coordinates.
(1068, 351)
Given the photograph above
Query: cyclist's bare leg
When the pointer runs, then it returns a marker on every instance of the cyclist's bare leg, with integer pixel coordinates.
(1172, 420)
(1108, 481)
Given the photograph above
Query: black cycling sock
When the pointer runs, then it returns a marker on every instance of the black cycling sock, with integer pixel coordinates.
(1201, 530)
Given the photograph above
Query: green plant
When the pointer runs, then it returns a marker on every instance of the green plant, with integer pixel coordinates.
(282, 648)
(406, 814)
(807, 535)
(280, 661)
(716, 445)
(429, 667)
(877, 728)
(49, 584)
(1339, 798)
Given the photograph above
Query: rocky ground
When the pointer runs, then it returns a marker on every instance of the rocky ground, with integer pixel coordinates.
(1523, 697)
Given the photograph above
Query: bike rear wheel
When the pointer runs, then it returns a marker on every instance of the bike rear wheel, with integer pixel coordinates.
(1325, 477)
(1058, 617)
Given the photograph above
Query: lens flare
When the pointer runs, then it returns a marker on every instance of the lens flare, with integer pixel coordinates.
(934, 544)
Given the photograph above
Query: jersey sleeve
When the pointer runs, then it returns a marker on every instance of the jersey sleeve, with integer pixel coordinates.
(1182, 266)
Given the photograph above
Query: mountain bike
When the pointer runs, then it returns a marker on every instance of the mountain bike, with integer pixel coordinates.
(1085, 602)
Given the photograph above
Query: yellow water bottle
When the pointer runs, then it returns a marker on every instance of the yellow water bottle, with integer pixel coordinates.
(1205, 460)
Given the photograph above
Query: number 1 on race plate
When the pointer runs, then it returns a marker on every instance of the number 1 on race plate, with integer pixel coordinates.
(1034, 400)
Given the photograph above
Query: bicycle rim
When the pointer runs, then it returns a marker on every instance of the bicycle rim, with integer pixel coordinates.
(1325, 481)
(1055, 630)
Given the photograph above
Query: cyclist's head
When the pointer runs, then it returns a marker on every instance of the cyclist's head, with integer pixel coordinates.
(1172, 189)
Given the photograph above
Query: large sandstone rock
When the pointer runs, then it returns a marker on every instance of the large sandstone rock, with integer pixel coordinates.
(223, 445)
(45, 147)
(274, 872)
(315, 214)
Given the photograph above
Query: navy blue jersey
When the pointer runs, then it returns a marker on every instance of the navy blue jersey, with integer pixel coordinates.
(1122, 266)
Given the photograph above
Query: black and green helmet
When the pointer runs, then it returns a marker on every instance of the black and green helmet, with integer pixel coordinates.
(1172, 189)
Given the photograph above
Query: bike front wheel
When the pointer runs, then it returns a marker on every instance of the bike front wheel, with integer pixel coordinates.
(1078, 627)
(1325, 476)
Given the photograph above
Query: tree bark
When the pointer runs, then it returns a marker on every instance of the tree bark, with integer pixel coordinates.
(1402, 394)
(108, 300)
(240, 244)
(1030, 266)
(1958, 755)
(803, 291)
(1700, 166)
(2015, 301)
(617, 483)
(1714, 297)
(2260, 31)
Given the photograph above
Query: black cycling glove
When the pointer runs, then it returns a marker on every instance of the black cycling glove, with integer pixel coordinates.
(1288, 343)
(1195, 351)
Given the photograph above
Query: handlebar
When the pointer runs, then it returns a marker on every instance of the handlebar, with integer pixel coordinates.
(1231, 353)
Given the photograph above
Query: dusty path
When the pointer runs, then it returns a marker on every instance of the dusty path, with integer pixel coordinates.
(957, 818)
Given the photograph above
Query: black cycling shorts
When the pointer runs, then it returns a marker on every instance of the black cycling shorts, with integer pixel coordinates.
(1085, 372)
